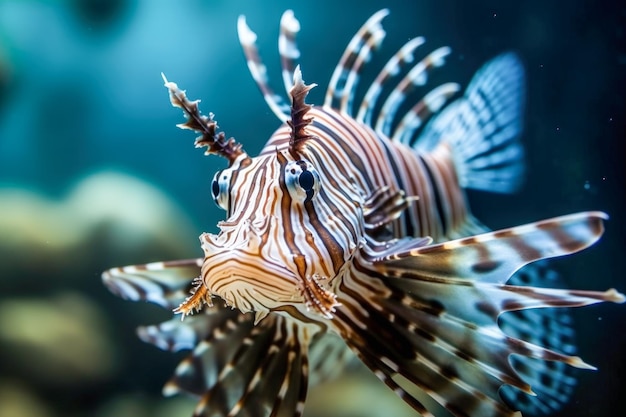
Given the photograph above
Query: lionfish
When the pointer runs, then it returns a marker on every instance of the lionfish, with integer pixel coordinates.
(357, 226)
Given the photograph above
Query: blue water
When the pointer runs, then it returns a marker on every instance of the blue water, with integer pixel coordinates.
(81, 96)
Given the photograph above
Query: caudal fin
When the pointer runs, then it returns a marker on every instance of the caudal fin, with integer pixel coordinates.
(483, 127)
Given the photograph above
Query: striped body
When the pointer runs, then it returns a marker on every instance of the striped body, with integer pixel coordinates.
(330, 231)
(347, 149)
(314, 239)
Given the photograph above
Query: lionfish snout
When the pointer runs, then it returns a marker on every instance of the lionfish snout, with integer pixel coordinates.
(245, 269)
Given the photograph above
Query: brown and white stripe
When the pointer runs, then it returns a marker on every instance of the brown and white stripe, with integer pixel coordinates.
(326, 233)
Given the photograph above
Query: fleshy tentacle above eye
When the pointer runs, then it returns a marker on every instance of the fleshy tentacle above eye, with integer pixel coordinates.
(299, 110)
(215, 142)
(425, 319)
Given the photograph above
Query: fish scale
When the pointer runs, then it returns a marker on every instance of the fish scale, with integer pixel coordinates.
(341, 230)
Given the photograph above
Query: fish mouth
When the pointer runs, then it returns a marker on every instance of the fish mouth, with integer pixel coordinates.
(254, 290)
(245, 294)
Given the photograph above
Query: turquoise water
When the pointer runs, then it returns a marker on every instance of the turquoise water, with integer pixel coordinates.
(94, 174)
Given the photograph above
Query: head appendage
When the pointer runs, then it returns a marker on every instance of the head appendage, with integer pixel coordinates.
(299, 109)
(214, 141)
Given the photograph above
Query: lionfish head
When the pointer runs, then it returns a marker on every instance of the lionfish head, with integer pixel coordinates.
(277, 248)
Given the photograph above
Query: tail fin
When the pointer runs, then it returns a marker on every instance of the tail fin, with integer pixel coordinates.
(425, 320)
(483, 127)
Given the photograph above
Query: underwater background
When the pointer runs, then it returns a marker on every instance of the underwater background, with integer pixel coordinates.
(94, 173)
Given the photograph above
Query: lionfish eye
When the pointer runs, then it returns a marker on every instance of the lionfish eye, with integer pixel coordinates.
(219, 188)
(302, 180)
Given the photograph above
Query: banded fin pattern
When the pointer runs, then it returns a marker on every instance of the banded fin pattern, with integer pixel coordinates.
(392, 68)
(493, 257)
(342, 85)
(163, 283)
(438, 332)
(240, 369)
(424, 317)
(483, 128)
(423, 110)
(236, 368)
(416, 77)
(552, 328)
(247, 38)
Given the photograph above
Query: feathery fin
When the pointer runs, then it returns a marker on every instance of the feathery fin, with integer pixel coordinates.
(423, 326)
(422, 111)
(163, 283)
(483, 128)
(552, 328)
(416, 77)
(493, 257)
(236, 366)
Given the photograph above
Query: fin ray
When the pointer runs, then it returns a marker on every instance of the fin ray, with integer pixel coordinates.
(437, 327)
(495, 256)
(247, 38)
(422, 111)
(483, 128)
(287, 47)
(164, 283)
(392, 68)
(343, 80)
(416, 77)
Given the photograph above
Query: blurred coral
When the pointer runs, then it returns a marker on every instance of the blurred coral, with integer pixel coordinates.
(105, 210)
(58, 340)
(141, 406)
(16, 400)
